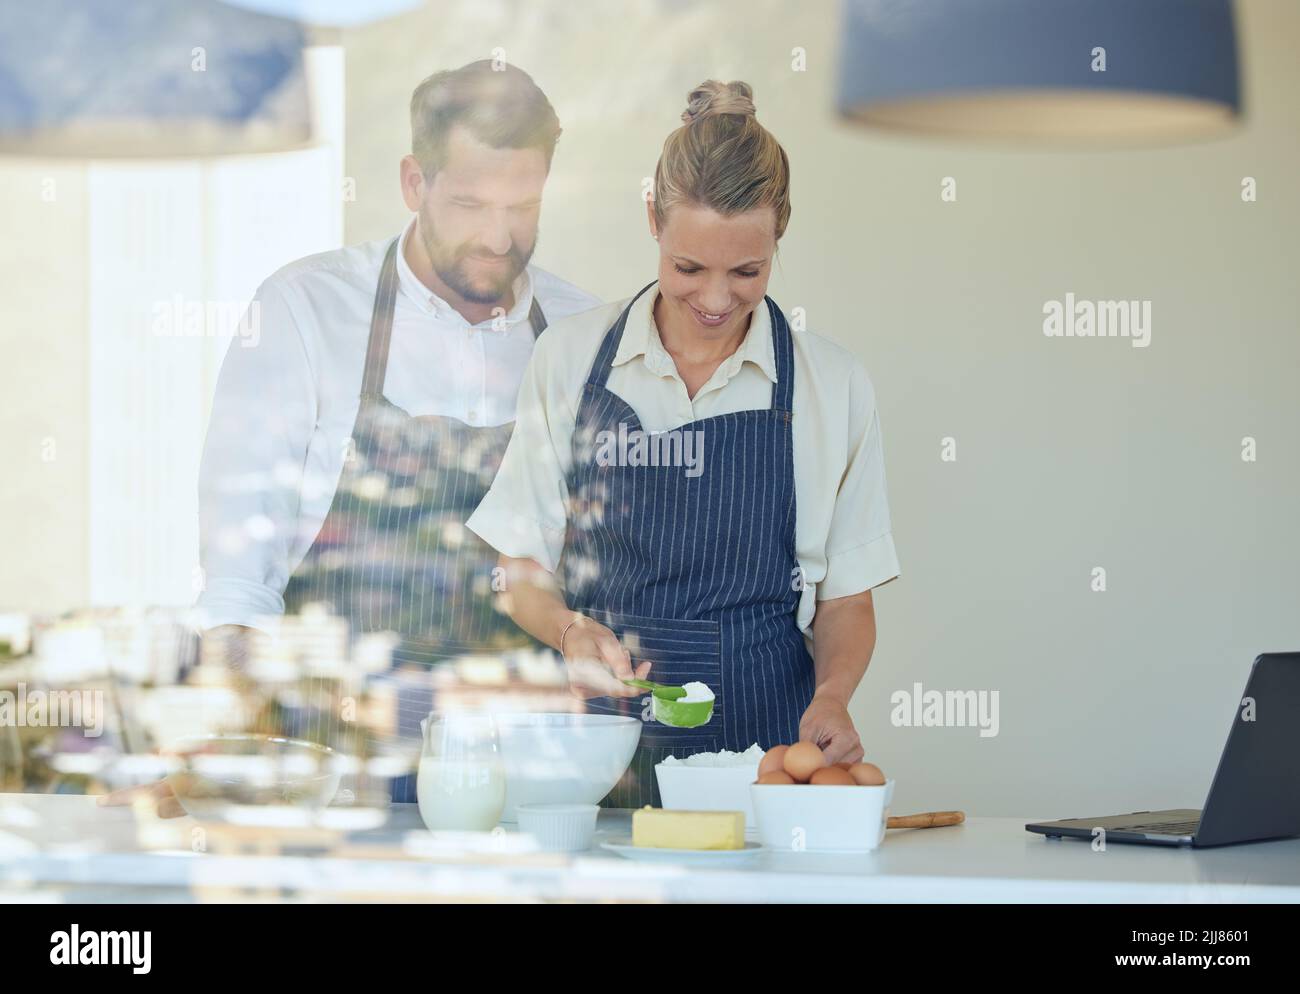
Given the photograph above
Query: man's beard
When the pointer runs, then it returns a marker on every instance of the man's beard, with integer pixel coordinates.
(448, 263)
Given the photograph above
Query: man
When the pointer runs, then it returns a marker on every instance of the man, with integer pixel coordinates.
(312, 447)
(346, 451)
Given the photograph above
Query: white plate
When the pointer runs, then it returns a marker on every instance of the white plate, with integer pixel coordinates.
(651, 854)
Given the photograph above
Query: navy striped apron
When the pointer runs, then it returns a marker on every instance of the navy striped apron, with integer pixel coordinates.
(696, 573)
(393, 553)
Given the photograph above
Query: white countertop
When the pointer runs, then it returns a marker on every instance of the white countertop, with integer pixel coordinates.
(65, 847)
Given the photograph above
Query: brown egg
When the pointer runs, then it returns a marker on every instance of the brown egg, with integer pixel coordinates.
(831, 776)
(776, 776)
(773, 759)
(803, 759)
(867, 775)
(844, 764)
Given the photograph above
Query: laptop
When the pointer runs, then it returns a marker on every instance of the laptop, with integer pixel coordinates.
(1255, 793)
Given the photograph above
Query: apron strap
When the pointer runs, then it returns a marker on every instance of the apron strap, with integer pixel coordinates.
(381, 326)
(609, 345)
(783, 349)
(536, 318)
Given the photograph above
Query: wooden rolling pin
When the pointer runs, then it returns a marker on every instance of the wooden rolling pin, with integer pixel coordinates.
(927, 819)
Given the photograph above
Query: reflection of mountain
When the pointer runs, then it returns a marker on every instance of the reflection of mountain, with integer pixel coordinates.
(132, 646)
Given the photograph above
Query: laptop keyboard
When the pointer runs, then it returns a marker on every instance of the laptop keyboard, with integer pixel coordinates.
(1166, 827)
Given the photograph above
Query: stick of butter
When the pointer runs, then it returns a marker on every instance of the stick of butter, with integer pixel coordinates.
(660, 829)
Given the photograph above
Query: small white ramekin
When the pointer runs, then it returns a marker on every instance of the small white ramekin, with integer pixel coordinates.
(559, 827)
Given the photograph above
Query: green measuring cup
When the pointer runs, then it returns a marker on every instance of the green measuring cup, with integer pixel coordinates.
(669, 710)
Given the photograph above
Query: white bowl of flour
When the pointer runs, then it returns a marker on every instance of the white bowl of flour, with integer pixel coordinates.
(710, 781)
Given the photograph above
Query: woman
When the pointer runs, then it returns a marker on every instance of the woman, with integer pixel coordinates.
(710, 484)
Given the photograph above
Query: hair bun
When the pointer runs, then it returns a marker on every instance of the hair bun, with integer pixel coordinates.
(712, 97)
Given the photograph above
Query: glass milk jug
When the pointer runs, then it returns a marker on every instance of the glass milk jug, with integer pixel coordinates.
(461, 784)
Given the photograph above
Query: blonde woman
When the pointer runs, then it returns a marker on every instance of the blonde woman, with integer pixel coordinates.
(693, 492)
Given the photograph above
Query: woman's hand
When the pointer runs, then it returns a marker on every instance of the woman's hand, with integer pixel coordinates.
(844, 637)
(598, 663)
(827, 723)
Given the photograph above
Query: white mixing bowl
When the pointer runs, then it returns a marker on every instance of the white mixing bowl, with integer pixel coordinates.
(563, 758)
(252, 778)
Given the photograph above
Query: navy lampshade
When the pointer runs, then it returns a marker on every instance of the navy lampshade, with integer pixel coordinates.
(330, 13)
(150, 78)
(1030, 69)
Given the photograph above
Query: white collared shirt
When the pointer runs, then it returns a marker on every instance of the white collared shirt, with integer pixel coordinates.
(843, 538)
(285, 407)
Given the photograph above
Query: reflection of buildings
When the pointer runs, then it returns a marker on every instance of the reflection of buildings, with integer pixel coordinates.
(110, 663)
(309, 658)
(303, 679)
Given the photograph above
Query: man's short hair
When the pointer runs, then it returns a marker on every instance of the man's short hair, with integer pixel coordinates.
(498, 103)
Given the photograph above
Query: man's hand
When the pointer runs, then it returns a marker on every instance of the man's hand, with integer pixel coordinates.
(827, 724)
(228, 644)
(165, 803)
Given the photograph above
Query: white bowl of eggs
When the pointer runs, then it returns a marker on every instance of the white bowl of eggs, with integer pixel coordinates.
(802, 803)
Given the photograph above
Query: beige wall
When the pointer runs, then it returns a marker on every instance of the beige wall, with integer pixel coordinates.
(44, 352)
(1072, 453)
